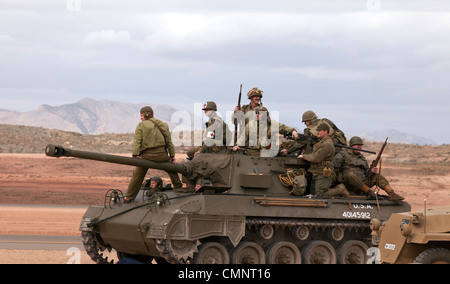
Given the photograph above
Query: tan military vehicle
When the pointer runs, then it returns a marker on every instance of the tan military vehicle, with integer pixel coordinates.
(413, 237)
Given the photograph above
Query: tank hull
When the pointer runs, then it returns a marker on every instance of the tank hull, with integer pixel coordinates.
(139, 228)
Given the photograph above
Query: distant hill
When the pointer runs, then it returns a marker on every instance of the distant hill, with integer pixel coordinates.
(87, 116)
(30, 139)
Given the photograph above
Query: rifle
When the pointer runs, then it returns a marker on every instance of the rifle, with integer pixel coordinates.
(376, 161)
(315, 138)
(235, 120)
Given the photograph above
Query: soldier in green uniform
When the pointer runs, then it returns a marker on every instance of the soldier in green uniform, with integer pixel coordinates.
(152, 141)
(352, 169)
(250, 140)
(321, 160)
(309, 118)
(217, 134)
(321, 167)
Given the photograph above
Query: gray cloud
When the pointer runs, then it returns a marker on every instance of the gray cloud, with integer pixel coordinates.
(344, 58)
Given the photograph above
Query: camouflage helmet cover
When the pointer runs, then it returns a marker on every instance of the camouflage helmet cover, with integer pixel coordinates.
(308, 115)
(254, 92)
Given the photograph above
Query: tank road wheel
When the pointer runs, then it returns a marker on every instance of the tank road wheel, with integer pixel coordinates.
(300, 233)
(283, 253)
(94, 249)
(319, 252)
(352, 252)
(248, 253)
(212, 253)
(434, 256)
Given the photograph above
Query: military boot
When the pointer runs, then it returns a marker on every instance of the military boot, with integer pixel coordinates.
(367, 191)
(339, 190)
(391, 193)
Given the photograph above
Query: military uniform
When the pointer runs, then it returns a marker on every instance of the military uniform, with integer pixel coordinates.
(152, 141)
(336, 135)
(249, 140)
(352, 170)
(321, 167)
(216, 136)
(253, 145)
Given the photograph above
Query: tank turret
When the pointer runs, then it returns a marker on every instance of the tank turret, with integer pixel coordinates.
(244, 212)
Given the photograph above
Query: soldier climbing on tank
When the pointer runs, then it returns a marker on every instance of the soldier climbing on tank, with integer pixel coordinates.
(309, 118)
(352, 169)
(152, 141)
(321, 167)
(257, 116)
(217, 134)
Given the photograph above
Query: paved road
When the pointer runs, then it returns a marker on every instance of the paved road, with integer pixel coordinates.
(37, 242)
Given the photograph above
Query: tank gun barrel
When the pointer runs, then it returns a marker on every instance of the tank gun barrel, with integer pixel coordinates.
(58, 151)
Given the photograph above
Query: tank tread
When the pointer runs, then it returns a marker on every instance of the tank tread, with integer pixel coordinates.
(313, 223)
(93, 249)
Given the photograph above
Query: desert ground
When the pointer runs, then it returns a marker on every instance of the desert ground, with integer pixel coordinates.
(34, 179)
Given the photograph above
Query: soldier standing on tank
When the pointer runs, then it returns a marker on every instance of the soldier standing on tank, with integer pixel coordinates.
(321, 167)
(252, 123)
(352, 169)
(152, 141)
(216, 134)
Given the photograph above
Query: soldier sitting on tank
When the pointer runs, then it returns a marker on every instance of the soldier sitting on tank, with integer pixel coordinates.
(254, 139)
(216, 133)
(352, 169)
(312, 122)
(152, 141)
(321, 167)
(249, 140)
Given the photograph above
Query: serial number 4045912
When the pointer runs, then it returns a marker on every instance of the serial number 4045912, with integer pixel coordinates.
(356, 215)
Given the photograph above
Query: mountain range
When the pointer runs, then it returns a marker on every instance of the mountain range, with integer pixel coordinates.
(89, 116)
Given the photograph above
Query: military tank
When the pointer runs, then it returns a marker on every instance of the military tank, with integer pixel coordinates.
(242, 213)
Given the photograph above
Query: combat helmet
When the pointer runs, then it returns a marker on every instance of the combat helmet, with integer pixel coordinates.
(355, 140)
(210, 105)
(158, 180)
(254, 92)
(308, 115)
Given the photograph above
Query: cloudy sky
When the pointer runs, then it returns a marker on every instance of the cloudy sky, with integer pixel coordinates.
(365, 64)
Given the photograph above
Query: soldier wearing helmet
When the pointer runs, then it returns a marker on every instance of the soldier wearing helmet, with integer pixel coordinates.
(152, 141)
(216, 133)
(352, 169)
(321, 167)
(309, 118)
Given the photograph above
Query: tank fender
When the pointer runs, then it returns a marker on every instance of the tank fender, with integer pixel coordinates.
(92, 213)
(196, 227)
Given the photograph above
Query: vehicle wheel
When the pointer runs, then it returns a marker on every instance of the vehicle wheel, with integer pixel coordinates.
(212, 253)
(434, 256)
(248, 253)
(319, 252)
(283, 253)
(352, 252)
